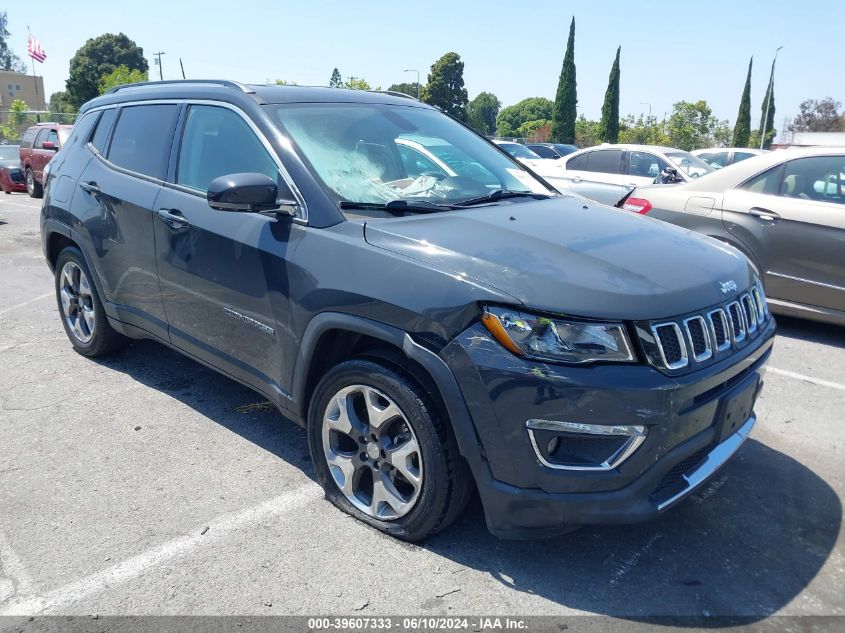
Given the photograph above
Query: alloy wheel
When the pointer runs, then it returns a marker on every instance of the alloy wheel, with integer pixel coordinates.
(30, 182)
(372, 452)
(77, 302)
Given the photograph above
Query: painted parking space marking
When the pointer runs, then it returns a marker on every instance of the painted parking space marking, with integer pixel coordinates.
(810, 379)
(135, 566)
(25, 303)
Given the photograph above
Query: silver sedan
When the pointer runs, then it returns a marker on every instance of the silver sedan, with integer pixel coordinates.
(785, 210)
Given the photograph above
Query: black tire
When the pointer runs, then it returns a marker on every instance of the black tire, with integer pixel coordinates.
(446, 483)
(104, 339)
(33, 187)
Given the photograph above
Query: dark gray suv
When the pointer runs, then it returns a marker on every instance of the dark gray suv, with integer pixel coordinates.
(437, 316)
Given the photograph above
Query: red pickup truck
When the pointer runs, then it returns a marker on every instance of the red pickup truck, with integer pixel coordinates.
(38, 146)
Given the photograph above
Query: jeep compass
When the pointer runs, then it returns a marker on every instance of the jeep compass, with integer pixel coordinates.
(436, 316)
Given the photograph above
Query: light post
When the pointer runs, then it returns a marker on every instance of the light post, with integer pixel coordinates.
(769, 98)
(412, 70)
(649, 107)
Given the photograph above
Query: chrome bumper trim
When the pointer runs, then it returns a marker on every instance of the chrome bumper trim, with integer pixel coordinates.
(714, 460)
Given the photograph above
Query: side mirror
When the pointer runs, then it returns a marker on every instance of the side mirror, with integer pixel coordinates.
(250, 192)
(49, 145)
(668, 176)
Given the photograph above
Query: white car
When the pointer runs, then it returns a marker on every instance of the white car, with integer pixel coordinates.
(606, 172)
(551, 170)
(718, 157)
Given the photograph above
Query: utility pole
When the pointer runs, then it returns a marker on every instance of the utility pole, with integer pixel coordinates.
(769, 100)
(182, 67)
(412, 70)
(158, 63)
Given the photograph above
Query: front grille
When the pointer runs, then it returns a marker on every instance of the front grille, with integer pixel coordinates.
(699, 337)
(749, 310)
(683, 342)
(719, 327)
(737, 322)
(674, 478)
(671, 345)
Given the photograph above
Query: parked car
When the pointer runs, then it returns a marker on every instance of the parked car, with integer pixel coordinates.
(39, 145)
(718, 157)
(607, 172)
(433, 333)
(551, 150)
(11, 175)
(785, 210)
(518, 150)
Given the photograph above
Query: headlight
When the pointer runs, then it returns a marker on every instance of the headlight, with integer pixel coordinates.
(557, 339)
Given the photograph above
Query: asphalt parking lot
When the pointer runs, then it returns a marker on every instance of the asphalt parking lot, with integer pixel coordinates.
(147, 484)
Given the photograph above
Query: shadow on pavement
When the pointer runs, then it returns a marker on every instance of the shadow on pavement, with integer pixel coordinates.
(811, 331)
(746, 544)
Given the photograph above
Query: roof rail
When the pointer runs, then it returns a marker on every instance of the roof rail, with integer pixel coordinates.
(225, 83)
(394, 93)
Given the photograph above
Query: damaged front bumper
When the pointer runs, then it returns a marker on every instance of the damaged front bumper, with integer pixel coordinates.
(667, 434)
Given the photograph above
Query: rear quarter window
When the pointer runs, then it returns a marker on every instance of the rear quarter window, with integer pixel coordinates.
(577, 162)
(142, 139)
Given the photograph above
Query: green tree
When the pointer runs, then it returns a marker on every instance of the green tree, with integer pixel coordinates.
(8, 59)
(17, 121)
(586, 132)
(59, 103)
(742, 128)
(121, 75)
(410, 89)
(482, 112)
(609, 128)
(531, 129)
(820, 115)
(336, 81)
(445, 88)
(530, 109)
(566, 99)
(97, 58)
(284, 82)
(641, 131)
(692, 125)
(358, 83)
(767, 118)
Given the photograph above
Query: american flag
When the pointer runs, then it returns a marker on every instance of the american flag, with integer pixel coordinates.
(35, 51)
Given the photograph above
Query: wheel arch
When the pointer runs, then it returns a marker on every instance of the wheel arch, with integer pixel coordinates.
(332, 337)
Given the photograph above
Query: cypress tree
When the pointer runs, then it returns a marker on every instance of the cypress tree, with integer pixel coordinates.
(566, 100)
(609, 127)
(336, 81)
(770, 120)
(742, 129)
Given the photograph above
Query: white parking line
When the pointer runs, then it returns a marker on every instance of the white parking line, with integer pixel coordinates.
(138, 565)
(810, 379)
(36, 206)
(14, 570)
(25, 303)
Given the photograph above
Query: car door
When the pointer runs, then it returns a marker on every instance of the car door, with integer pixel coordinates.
(115, 197)
(597, 175)
(223, 276)
(41, 156)
(792, 218)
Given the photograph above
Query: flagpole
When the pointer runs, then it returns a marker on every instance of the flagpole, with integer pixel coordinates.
(34, 78)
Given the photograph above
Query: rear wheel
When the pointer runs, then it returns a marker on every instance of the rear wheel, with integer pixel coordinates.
(383, 451)
(33, 187)
(83, 316)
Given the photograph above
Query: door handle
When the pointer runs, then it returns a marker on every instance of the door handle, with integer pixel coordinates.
(172, 218)
(764, 214)
(576, 179)
(91, 187)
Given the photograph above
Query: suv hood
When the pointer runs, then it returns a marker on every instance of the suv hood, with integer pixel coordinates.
(570, 257)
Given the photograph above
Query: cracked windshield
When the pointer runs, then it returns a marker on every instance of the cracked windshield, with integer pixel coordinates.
(378, 154)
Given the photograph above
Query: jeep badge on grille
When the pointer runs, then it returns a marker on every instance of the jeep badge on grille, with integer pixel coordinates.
(728, 286)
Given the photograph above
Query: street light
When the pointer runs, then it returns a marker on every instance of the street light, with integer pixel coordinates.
(649, 107)
(412, 70)
(769, 99)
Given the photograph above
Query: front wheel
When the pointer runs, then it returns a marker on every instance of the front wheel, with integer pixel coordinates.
(384, 452)
(33, 187)
(83, 316)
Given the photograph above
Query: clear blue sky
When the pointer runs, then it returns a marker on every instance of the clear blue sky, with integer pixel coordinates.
(671, 51)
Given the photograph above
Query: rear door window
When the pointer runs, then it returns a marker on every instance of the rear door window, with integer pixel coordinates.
(606, 161)
(578, 162)
(766, 183)
(142, 138)
(101, 134)
(543, 151)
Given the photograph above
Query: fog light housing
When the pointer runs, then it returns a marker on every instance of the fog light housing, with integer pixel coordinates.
(577, 446)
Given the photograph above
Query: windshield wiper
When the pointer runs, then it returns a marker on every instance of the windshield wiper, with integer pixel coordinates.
(398, 206)
(501, 194)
